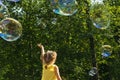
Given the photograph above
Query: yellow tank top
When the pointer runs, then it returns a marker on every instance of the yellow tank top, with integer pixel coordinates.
(49, 73)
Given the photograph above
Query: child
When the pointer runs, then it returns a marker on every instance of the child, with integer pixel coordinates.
(50, 70)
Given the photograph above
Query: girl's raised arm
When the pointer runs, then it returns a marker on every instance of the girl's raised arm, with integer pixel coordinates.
(42, 51)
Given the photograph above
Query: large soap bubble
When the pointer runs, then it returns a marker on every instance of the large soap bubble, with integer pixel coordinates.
(10, 29)
(93, 71)
(64, 7)
(106, 51)
(3, 11)
(99, 14)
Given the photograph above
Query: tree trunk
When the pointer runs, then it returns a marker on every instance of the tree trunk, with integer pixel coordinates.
(91, 40)
(93, 56)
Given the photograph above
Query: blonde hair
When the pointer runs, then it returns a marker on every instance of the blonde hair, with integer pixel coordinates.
(49, 57)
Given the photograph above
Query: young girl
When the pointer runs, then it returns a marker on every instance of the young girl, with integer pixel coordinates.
(50, 70)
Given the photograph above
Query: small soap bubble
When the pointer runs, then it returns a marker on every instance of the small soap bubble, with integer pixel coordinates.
(10, 29)
(40, 22)
(18, 11)
(93, 71)
(54, 20)
(106, 51)
(43, 25)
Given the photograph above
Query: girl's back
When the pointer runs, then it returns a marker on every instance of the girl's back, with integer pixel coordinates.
(49, 72)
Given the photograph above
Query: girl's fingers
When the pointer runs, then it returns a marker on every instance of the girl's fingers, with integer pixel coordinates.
(39, 45)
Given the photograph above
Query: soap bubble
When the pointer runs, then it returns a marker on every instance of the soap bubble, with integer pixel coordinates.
(3, 11)
(10, 29)
(64, 7)
(41, 22)
(43, 25)
(106, 51)
(99, 14)
(54, 20)
(18, 11)
(93, 71)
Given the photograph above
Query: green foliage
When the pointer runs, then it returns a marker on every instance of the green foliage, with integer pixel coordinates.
(70, 37)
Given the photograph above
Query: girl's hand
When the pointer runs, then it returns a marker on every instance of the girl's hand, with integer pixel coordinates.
(40, 45)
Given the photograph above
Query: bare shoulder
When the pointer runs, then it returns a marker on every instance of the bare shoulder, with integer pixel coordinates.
(55, 66)
(57, 73)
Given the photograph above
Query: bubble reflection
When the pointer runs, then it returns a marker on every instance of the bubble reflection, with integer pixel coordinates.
(93, 71)
(14, 0)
